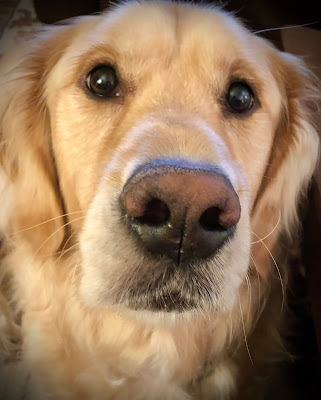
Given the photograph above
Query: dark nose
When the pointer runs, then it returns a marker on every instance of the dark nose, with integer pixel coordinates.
(182, 210)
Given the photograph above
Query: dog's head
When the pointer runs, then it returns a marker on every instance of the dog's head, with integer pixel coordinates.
(171, 137)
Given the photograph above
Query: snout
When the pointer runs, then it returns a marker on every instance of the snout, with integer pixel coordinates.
(181, 210)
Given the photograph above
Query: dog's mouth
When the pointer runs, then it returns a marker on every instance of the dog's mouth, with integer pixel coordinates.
(159, 302)
(176, 243)
(171, 288)
(180, 215)
(169, 302)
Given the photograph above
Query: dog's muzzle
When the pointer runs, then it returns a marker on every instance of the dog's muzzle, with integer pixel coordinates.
(185, 211)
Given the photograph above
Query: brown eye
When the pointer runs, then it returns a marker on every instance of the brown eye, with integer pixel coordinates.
(103, 81)
(239, 97)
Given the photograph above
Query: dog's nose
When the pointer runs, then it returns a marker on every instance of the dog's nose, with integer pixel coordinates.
(182, 210)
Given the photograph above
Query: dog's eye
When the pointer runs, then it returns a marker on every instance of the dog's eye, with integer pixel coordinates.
(103, 81)
(239, 97)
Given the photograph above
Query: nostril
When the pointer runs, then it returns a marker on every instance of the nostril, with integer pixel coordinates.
(209, 219)
(156, 213)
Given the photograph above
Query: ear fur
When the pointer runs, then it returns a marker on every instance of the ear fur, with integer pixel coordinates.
(292, 161)
(25, 138)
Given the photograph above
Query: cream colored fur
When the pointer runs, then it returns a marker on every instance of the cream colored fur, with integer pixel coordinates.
(65, 157)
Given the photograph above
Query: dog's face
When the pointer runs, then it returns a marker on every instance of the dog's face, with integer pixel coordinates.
(165, 120)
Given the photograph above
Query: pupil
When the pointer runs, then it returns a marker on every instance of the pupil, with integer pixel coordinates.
(239, 97)
(104, 81)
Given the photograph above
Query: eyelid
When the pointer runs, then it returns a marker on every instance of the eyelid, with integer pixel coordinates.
(250, 81)
(100, 65)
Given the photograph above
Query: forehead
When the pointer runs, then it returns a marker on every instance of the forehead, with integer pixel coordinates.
(164, 27)
(159, 34)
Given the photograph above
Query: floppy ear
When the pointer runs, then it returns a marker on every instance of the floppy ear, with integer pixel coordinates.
(25, 140)
(292, 161)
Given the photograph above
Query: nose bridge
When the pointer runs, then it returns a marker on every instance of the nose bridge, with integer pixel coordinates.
(179, 108)
(169, 121)
(173, 134)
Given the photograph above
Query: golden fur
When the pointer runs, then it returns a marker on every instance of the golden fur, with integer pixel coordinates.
(65, 157)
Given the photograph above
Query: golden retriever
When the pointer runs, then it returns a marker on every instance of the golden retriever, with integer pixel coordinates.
(152, 161)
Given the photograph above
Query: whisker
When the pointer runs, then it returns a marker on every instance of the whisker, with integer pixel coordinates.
(286, 27)
(66, 251)
(56, 231)
(62, 320)
(244, 332)
(45, 222)
(230, 329)
(63, 251)
(269, 234)
(249, 289)
(278, 270)
(74, 272)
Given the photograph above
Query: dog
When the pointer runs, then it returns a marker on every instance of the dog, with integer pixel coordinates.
(153, 159)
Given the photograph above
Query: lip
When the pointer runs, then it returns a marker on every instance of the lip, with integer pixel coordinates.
(173, 290)
(169, 302)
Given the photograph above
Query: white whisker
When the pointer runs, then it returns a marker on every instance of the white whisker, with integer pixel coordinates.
(63, 251)
(230, 329)
(56, 231)
(74, 272)
(269, 234)
(244, 331)
(281, 28)
(45, 222)
(249, 289)
(72, 281)
(278, 270)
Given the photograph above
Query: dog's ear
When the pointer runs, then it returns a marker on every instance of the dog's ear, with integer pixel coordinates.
(25, 140)
(292, 161)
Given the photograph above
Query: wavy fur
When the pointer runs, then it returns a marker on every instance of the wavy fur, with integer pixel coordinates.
(64, 159)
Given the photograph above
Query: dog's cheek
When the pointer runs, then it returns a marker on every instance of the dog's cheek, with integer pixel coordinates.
(236, 267)
(102, 236)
